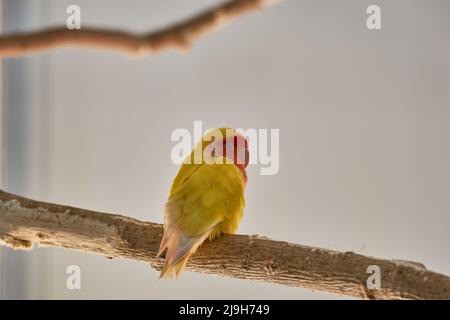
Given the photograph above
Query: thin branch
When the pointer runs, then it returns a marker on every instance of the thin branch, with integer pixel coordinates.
(180, 36)
(25, 222)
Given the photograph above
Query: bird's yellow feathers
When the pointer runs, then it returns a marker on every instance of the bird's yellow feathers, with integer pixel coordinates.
(205, 201)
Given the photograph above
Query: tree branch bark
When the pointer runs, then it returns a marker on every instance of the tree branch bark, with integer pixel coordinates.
(179, 36)
(24, 222)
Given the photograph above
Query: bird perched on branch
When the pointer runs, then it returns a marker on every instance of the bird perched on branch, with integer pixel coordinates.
(206, 198)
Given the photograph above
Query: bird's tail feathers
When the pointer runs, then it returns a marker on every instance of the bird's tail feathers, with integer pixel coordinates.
(179, 248)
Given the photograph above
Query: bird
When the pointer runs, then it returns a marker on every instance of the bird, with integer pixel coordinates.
(206, 198)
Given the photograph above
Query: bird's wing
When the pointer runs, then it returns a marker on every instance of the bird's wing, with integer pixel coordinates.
(200, 201)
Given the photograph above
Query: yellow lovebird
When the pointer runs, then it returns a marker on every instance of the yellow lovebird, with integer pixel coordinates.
(206, 198)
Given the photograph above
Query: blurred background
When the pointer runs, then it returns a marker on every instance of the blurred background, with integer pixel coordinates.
(363, 117)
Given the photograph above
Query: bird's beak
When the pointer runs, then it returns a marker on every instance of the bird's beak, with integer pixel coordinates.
(247, 158)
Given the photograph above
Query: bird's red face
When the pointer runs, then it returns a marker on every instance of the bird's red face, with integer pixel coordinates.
(235, 148)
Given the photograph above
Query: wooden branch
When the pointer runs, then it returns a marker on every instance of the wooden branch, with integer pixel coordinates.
(24, 222)
(178, 36)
